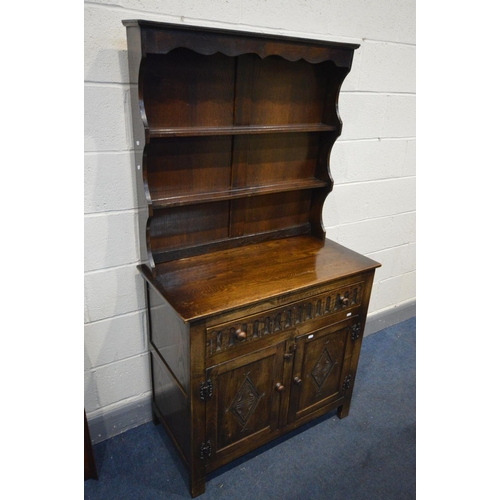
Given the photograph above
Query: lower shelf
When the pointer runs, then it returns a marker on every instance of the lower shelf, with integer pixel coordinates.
(160, 132)
(167, 255)
(161, 200)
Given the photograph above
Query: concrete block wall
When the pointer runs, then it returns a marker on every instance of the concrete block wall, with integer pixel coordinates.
(371, 209)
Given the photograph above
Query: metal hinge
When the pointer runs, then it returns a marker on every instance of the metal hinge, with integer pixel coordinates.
(355, 331)
(206, 390)
(206, 450)
(347, 383)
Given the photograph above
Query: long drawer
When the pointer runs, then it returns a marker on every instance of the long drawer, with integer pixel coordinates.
(291, 316)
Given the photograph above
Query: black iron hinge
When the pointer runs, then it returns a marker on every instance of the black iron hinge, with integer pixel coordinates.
(206, 450)
(355, 331)
(206, 390)
(347, 383)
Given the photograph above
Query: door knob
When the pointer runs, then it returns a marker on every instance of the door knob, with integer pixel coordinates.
(280, 387)
(297, 380)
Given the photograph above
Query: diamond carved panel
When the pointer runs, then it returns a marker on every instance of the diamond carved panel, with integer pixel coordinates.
(245, 402)
(322, 368)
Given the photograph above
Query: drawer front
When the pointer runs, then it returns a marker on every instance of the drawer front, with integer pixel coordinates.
(230, 335)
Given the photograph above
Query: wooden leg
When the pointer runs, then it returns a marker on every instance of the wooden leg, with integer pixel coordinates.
(197, 486)
(343, 411)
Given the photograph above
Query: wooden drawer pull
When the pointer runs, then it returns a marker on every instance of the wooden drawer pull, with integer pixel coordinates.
(280, 387)
(240, 334)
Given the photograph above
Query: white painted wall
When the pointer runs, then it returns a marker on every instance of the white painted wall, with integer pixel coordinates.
(371, 208)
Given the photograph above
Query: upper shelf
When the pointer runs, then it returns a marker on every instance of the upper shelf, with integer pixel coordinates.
(159, 132)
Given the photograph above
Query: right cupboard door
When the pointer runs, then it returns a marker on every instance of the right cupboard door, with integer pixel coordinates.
(320, 370)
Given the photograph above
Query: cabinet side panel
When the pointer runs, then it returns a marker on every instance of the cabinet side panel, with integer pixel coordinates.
(134, 46)
(170, 367)
(172, 405)
(170, 337)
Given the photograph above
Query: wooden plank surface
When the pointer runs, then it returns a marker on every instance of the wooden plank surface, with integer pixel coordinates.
(209, 284)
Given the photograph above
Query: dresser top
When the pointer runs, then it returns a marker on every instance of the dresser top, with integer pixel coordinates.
(204, 285)
(155, 25)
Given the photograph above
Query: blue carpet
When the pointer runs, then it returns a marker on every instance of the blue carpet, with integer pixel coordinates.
(368, 455)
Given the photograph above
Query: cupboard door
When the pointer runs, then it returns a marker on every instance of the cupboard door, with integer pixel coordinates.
(243, 410)
(320, 368)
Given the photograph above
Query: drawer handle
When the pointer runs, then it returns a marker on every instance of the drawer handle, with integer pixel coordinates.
(240, 334)
(280, 387)
(297, 380)
(345, 301)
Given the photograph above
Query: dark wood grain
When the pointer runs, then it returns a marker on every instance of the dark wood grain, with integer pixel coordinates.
(255, 319)
(171, 342)
(168, 254)
(209, 284)
(245, 404)
(186, 89)
(188, 166)
(345, 407)
(260, 160)
(164, 132)
(161, 38)
(198, 417)
(271, 212)
(164, 199)
(321, 363)
(171, 405)
(187, 226)
(282, 92)
(218, 128)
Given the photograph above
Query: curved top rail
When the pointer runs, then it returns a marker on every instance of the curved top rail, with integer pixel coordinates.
(161, 38)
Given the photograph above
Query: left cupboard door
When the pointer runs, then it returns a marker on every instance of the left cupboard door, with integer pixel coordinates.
(243, 410)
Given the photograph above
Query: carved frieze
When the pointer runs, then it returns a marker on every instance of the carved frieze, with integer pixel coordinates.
(282, 319)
